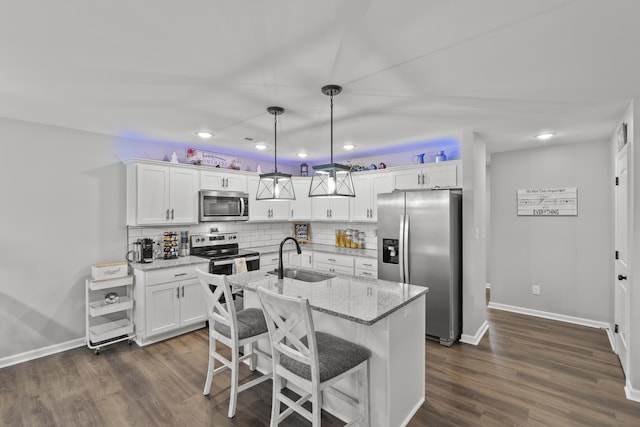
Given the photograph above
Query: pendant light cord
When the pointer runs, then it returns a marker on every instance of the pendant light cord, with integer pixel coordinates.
(331, 128)
(275, 143)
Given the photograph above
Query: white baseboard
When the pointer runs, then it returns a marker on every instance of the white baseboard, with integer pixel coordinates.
(553, 316)
(41, 352)
(475, 339)
(631, 393)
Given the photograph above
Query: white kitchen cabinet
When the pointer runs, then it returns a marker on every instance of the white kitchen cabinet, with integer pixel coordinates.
(330, 208)
(368, 186)
(108, 321)
(265, 210)
(333, 263)
(159, 194)
(222, 181)
(169, 302)
(305, 259)
(269, 261)
(366, 267)
(427, 176)
(300, 208)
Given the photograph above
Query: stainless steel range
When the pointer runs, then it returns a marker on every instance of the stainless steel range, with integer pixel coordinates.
(222, 250)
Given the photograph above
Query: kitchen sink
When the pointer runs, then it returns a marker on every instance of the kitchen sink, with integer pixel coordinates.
(305, 276)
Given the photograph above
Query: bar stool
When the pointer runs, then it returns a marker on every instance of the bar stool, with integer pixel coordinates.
(234, 328)
(313, 362)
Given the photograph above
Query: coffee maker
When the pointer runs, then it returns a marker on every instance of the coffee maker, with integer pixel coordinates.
(146, 249)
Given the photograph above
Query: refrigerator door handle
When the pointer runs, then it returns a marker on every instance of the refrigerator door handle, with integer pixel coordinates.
(401, 252)
(405, 249)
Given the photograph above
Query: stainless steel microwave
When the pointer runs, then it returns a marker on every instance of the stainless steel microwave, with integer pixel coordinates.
(223, 206)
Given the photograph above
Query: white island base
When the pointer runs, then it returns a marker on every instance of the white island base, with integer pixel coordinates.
(397, 365)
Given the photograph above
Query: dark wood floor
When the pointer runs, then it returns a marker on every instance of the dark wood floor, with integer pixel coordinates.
(525, 372)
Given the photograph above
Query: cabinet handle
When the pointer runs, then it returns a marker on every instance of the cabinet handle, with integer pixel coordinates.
(418, 179)
(331, 259)
(183, 292)
(171, 213)
(181, 274)
(330, 213)
(422, 179)
(364, 273)
(367, 265)
(167, 214)
(291, 212)
(178, 292)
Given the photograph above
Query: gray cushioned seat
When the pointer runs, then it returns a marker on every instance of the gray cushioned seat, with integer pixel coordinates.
(335, 356)
(250, 322)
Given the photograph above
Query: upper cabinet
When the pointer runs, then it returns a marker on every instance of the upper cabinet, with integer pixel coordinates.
(368, 186)
(330, 208)
(226, 181)
(300, 208)
(161, 194)
(265, 210)
(436, 175)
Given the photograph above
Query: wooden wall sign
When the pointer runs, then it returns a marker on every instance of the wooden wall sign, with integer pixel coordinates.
(561, 201)
(302, 232)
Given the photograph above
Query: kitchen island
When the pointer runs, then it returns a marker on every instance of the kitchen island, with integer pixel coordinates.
(386, 317)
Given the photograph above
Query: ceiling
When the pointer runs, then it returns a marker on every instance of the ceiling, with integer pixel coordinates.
(411, 71)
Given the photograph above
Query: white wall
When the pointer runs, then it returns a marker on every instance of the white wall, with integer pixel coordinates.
(570, 258)
(63, 209)
(474, 248)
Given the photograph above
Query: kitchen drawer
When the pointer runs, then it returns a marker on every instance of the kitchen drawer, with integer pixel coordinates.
(366, 264)
(332, 268)
(269, 261)
(372, 274)
(165, 275)
(333, 259)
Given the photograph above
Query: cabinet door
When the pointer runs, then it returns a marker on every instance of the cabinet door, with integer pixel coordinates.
(236, 183)
(212, 180)
(259, 210)
(320, 207)
(279, 210)
(331, 209)
(407, 179)
(152, 194)
(440, 176)
(301, 206)
(183, 200)
(340, 209)
(380, 184)
(163, 308)
(192, 305)
(361, 204)
(304, 259)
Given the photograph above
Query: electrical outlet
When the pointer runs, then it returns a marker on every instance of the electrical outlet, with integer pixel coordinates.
(535, 290)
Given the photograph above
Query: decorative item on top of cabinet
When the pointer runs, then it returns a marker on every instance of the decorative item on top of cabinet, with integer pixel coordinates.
(109, 304)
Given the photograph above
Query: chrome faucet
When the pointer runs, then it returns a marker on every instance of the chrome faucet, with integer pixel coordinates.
(280, 267)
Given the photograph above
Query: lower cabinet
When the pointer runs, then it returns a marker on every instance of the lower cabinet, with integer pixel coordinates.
(366, 267)
(169, 302)
(305, 259)
(333, 263)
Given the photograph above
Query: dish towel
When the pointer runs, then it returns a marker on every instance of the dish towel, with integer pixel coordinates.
(239, 265)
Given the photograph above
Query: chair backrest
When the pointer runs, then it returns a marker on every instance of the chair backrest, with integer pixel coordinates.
(283, 314)
(220, 305)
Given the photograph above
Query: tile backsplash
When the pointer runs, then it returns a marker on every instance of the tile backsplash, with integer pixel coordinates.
(253, 235)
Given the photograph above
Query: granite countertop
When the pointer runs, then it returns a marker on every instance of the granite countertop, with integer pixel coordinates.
(358, 299)
(169, 263)
(365, 253)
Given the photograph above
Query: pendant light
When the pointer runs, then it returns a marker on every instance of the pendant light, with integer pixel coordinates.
(333, 179)
(275, 185)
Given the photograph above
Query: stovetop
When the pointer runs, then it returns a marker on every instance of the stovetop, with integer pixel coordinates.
(218, 246)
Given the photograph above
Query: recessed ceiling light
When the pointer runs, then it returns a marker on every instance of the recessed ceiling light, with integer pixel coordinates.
(545, 136)
(204, 134)
(261, 146)
(302, 155)
(348, 146)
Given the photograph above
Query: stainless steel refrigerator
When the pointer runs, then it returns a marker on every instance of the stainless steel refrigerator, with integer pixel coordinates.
(419, 242)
